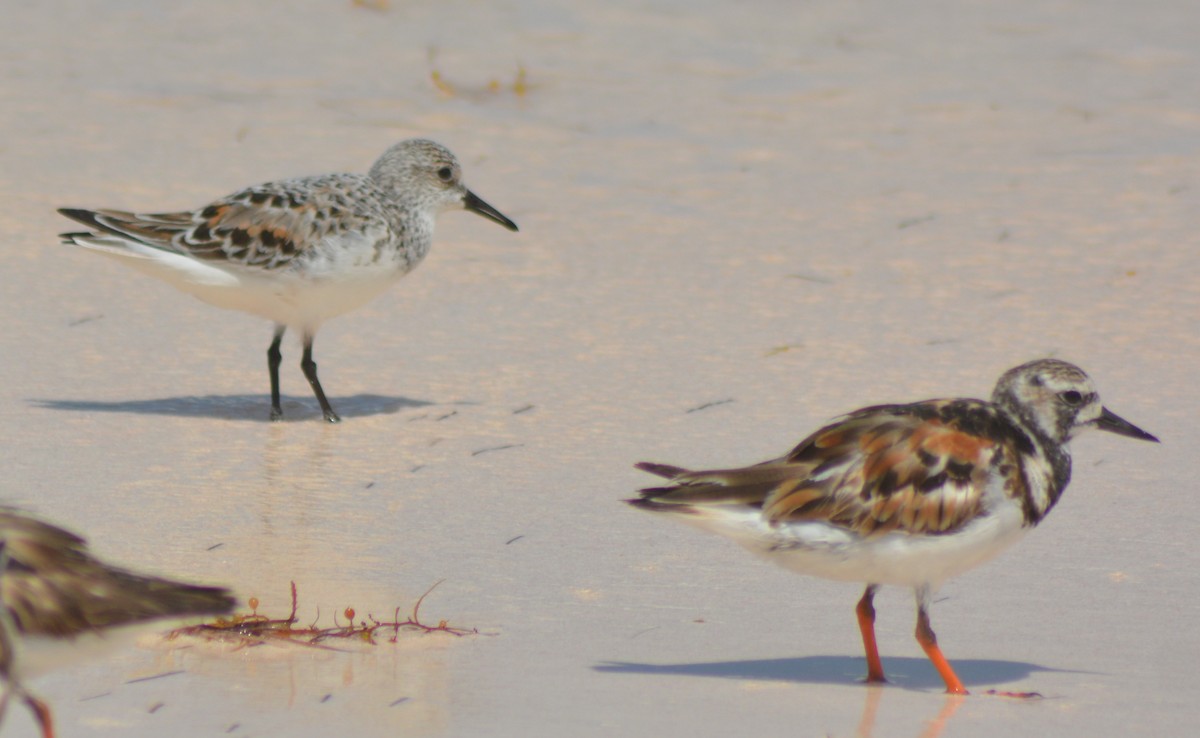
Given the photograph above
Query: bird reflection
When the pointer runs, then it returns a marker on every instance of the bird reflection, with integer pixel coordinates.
(935, 727)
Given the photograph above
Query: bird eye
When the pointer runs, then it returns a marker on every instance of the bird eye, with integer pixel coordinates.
(1071, 397)
(445, 174)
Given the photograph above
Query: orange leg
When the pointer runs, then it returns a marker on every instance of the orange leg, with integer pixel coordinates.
(41, 711)
(928, 641)
(866, 623)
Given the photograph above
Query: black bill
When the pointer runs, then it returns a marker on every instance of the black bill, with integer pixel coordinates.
(473, 203)
(1114, 423)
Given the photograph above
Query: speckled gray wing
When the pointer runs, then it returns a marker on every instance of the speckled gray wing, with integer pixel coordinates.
(912, 468)
(267, 226)
(52, 586)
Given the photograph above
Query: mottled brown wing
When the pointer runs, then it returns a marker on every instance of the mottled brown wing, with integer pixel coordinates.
(901, 467)
(52, 586)
(266, 226)
(904, 468)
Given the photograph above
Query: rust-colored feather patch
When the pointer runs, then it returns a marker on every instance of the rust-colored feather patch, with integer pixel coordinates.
(940, 440)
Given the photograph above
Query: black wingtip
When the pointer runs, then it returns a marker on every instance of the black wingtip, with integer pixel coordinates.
(651, 497)
(228, 603)
(87, 217)
(195, 600)
(660, 470)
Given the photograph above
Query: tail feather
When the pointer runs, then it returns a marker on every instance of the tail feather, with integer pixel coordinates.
(150, 598)
(750, 486)
(74, 237)
(648, 502)
(155, 231)
(51, 603)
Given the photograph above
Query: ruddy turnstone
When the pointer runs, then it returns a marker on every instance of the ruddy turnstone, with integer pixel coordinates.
(297, 251)
(903, 494)
(57, 602)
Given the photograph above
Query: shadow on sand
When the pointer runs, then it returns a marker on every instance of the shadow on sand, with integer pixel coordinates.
(240, 407)
(906, 673)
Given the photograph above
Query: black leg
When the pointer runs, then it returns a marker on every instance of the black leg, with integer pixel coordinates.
(309, 367)
(273, 360)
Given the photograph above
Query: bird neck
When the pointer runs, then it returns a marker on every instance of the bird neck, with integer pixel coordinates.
(1047, 472)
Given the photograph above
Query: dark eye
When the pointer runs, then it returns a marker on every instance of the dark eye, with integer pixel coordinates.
(445, 174)
(1071, 397)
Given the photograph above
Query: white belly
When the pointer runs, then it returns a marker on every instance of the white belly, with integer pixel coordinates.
(299, 301)
(823, 550)
(300, 304)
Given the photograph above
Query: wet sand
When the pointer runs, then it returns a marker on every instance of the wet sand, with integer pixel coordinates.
(736, 223)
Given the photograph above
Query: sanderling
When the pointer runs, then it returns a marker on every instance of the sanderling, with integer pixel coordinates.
(58, 602)
(297, 251)
(905, 495)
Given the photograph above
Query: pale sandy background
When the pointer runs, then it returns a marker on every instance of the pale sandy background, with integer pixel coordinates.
(784, 209)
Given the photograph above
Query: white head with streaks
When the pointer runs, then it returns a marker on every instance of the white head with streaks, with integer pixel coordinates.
(1057, 400)
(426, 176)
